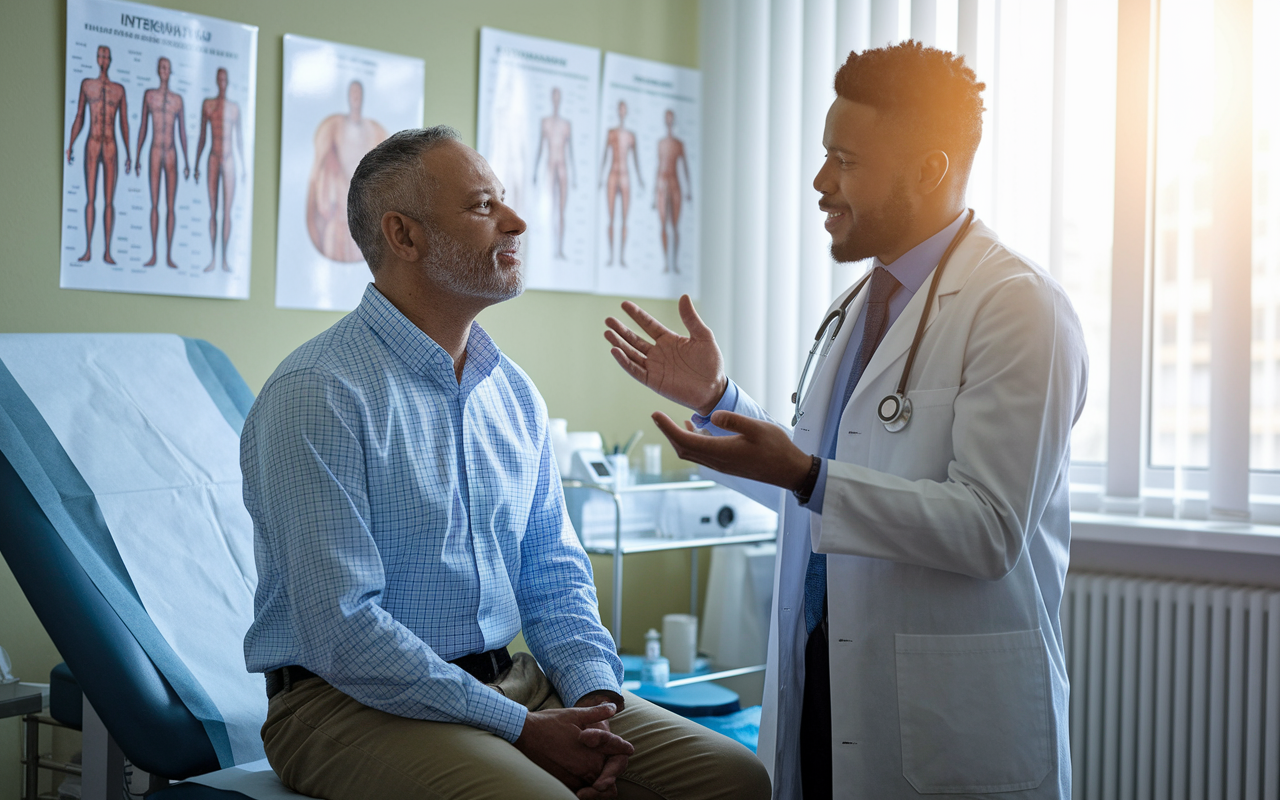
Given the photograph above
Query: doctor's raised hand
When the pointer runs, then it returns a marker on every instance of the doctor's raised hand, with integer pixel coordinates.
(689, 370)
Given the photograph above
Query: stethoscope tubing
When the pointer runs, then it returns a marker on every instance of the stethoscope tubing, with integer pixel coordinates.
(841, 313)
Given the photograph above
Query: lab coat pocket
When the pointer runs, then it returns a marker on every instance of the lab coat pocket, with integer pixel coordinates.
(974, 712)
(929, 452)
(924, 398)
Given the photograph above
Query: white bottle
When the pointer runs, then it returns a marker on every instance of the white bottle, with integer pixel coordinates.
(9, 684)
(656, 670)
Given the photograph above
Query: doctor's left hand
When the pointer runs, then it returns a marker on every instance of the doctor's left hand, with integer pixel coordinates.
(760, 450)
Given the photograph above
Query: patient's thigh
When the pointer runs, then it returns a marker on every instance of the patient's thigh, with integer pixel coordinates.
(677, 759)
(324, 744)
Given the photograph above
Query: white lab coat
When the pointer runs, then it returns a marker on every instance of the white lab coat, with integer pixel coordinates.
(947, 547)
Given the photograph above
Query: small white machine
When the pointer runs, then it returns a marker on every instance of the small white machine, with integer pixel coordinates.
(591, 465)
(712, 512)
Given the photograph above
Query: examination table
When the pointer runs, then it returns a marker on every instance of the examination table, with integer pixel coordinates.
(119, 608)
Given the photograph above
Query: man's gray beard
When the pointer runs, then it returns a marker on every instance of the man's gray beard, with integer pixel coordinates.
(472, 273)
(880, 231)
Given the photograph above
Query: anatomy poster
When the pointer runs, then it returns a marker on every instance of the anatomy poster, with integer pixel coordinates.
(339, 103)
(537, 127)
(647, 212)
(157, 179)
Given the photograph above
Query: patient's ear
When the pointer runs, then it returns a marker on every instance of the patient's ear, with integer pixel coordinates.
(405, 236)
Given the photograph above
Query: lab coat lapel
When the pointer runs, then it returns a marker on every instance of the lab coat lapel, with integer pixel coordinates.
(897, 341)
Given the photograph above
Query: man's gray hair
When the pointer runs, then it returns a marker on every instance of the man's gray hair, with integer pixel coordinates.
(390, 177)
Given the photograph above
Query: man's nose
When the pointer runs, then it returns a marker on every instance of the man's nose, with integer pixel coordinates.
(511, 222)
(822, 181)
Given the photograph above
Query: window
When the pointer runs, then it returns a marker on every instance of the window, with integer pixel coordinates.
(1186, 418)
(1265, 412)
(1131, 148)
(1049, 195)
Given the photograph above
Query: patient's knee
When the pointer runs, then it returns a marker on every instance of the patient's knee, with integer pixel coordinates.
(746, 777)
(737, 773)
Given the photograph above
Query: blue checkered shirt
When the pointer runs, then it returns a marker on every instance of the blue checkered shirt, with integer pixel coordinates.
(403, 519)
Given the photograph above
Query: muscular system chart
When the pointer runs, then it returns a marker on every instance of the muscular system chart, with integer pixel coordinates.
(647, 220)
(339, 102)
(158, 157)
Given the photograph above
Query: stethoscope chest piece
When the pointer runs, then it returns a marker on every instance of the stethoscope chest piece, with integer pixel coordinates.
(894, 411)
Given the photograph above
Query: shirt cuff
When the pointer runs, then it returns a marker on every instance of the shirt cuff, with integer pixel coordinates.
(498, 715)
(728, 402)
(819, 489)
(584, 678)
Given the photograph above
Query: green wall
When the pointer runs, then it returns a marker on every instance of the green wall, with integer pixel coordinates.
(555, 337)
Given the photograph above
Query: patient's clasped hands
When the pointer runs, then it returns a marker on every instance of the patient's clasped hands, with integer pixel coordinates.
(577, 747)
(689, 370)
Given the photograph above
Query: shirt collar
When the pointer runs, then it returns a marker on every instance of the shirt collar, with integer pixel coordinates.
(914, 266)
(420, 352)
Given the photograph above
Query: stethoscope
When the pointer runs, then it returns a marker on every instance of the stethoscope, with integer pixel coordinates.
(895, 409)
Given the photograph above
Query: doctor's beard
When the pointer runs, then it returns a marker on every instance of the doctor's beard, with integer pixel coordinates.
(472, 273)
(877, 231)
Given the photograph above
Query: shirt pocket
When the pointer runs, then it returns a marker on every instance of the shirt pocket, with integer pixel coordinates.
(974, 712)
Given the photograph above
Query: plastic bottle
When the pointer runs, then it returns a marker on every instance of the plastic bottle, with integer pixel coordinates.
(656, 670)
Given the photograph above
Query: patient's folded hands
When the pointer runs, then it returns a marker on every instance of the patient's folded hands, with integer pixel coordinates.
(570, 744)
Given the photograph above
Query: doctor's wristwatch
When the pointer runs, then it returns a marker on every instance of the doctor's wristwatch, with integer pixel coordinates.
(805, 490)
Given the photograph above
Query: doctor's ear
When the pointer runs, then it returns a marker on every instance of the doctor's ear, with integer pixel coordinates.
(934, 166)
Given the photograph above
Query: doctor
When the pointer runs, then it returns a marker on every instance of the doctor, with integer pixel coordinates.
(915, 646)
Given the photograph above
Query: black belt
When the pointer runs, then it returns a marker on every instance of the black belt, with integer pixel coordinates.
(484, 667)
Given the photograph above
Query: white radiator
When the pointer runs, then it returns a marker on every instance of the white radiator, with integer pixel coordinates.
(1175, 689)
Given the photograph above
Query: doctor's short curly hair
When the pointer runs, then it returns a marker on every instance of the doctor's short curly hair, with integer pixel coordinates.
(934, 95)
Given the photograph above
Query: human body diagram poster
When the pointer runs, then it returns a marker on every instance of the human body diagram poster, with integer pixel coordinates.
(157, 181)
(647, 213)
(602, 170)
(339, 103)
(537, 128)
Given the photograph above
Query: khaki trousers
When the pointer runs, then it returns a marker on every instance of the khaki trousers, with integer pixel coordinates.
(324, 744)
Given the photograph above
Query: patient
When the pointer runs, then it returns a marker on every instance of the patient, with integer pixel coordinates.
(409, 523)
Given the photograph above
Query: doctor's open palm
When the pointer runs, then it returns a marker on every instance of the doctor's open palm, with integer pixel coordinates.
(688, 370)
